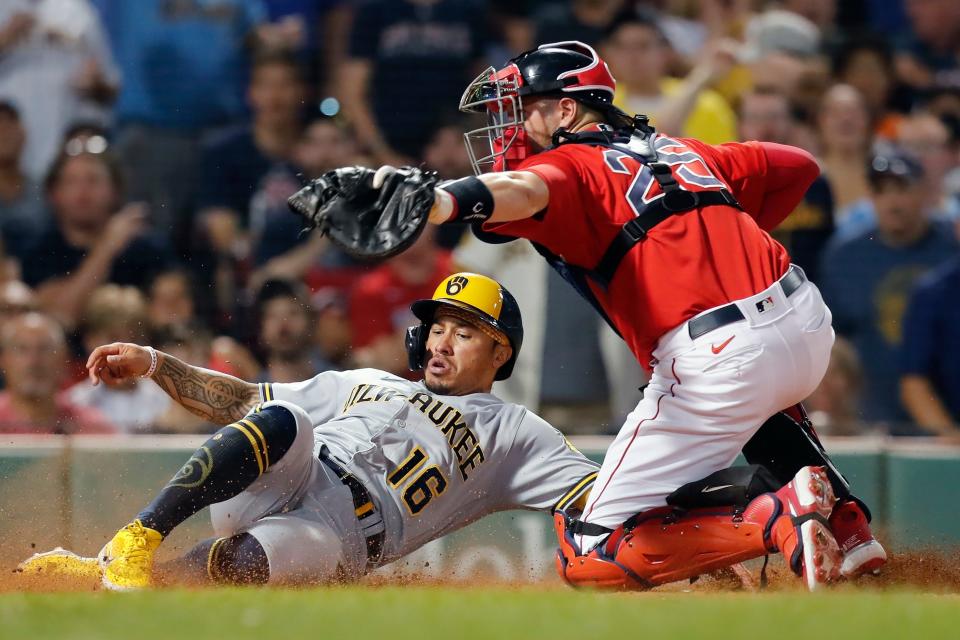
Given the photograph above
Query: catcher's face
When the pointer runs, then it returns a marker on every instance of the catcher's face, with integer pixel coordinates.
(461, 358)
(543, 116)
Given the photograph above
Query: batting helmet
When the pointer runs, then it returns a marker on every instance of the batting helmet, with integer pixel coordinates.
(563, 69)
(476, 299)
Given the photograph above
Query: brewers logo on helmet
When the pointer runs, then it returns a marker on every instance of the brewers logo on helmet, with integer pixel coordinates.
(473, 298)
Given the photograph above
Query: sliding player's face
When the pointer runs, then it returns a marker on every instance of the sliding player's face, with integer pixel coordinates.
(461, 358)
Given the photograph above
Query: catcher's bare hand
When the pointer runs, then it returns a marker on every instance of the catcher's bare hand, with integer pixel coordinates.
(117, 363)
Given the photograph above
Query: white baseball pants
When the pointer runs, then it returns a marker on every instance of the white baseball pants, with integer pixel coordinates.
(707, 397)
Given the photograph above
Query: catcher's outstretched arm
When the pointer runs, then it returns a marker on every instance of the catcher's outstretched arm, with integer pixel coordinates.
(214, 396)
(516, 195)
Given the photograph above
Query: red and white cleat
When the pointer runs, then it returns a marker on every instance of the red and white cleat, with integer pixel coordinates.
(862, 553)
(803, 533)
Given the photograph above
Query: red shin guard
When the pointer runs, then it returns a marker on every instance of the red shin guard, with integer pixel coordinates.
(663, 546)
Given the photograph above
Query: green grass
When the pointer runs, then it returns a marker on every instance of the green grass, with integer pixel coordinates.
(398, 613)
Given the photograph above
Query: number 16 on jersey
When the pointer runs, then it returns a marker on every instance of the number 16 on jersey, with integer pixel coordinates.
(426, 483)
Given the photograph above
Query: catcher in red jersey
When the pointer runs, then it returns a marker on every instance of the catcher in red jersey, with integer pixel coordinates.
(669, 239)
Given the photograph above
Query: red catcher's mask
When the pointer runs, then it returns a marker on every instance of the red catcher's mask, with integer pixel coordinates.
(502, 144)
(559, 69)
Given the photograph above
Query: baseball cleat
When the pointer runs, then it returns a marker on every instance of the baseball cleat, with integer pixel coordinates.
(868, 557)
(127, 560)
(60, 563)
(862, 554)
(821, 555)
(810, 549)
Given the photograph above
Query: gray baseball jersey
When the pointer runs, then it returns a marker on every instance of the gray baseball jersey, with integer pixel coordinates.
(435, 463)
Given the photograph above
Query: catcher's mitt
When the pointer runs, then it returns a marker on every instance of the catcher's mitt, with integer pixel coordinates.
(368, 222)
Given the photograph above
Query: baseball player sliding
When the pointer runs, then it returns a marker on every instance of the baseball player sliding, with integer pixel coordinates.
(328, 478)
(668, 238)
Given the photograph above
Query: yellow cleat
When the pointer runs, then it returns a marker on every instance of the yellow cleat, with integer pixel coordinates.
(127, 560)
(60, 563)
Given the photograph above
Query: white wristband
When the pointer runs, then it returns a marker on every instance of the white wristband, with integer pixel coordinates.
(153, 363)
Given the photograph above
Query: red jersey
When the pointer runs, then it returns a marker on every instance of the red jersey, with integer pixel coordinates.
(690, 262)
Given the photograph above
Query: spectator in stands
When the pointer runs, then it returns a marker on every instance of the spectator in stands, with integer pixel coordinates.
(332, 336)
(95, 240)
(255, 160)
(287, 320)
(190, 342)
(380, 303)
(930, 356)
(56, 65)
(33, 357)
(278, 250)
(845, 138)
(327, 143)
(928, 138)
(394, 45)
(866, 279)
(248, 175)
(766, 115)
(834, 406)
(929, 53)
(865, 62)
(171, 299)
(16, 299)
(119, 314)
(22, 209)
(184, 68)
(445, 152)
(637, 52)
(315, 30)
(782, 51)
(584, 20)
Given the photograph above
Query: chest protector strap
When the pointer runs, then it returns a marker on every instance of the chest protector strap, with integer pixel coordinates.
(674, 201)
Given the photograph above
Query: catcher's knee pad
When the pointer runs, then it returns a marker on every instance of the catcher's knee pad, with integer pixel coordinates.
(666, 545)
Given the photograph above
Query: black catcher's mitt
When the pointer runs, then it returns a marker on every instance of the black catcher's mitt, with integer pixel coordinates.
(365, 221)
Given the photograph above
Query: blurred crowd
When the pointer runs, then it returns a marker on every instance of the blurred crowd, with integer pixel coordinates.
(147, 150)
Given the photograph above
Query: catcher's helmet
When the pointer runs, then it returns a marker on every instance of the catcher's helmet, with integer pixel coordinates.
(477, 299)
(566, 69)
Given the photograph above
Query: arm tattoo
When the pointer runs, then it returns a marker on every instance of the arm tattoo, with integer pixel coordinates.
(214, 396)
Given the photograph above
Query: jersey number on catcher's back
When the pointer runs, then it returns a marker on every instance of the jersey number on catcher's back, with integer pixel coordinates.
(689, 170)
